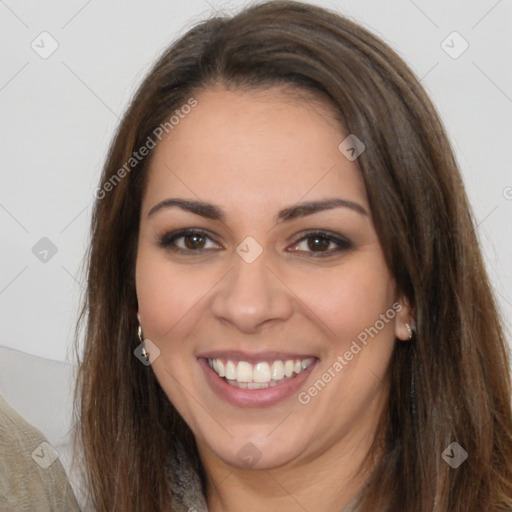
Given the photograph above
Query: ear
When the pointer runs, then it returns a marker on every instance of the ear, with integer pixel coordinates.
(404, 315)
(138, 316)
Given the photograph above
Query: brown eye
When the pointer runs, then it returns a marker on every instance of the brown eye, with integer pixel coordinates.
(187, 241)
(194, 241)
(317, 243)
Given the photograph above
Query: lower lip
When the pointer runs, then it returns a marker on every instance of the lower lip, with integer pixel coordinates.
(254, 397)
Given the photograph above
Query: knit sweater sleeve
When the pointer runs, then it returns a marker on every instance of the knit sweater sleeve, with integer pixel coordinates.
(31, 474)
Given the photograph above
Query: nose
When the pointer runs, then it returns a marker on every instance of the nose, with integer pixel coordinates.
(252, 295)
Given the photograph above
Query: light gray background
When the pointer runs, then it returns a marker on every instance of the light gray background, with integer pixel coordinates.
(59, 114)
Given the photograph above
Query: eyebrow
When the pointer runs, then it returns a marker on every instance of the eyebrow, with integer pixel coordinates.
(211, 211)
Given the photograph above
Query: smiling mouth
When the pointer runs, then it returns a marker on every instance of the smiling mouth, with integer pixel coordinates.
(261, 375)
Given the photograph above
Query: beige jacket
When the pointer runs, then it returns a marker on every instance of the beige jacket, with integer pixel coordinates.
(32, 478)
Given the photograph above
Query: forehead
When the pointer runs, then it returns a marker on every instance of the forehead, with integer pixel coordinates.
(257, 149)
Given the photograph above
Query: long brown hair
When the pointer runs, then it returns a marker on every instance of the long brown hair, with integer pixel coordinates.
(458, 358)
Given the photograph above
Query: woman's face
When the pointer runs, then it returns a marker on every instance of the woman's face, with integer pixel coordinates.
(290, 301)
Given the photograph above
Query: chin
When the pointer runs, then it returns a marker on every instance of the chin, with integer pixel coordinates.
(258, 450)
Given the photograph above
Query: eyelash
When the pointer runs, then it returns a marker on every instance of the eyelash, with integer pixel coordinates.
(168, 240)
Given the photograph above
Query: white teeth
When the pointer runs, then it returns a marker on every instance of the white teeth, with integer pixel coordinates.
(260, 375)
(305, 363)
(221, 371)
(257, 385)
(288, 368)
(244, 372)
(277, 370)
(230, 370)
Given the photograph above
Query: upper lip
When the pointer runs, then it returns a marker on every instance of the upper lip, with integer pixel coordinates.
(252, 357)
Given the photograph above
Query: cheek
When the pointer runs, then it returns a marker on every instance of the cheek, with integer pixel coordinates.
(167, 294)
(349, 298)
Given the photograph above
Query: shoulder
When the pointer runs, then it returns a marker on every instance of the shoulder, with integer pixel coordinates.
(31, 474)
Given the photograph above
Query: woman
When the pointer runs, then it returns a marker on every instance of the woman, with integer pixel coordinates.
(287, 308)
